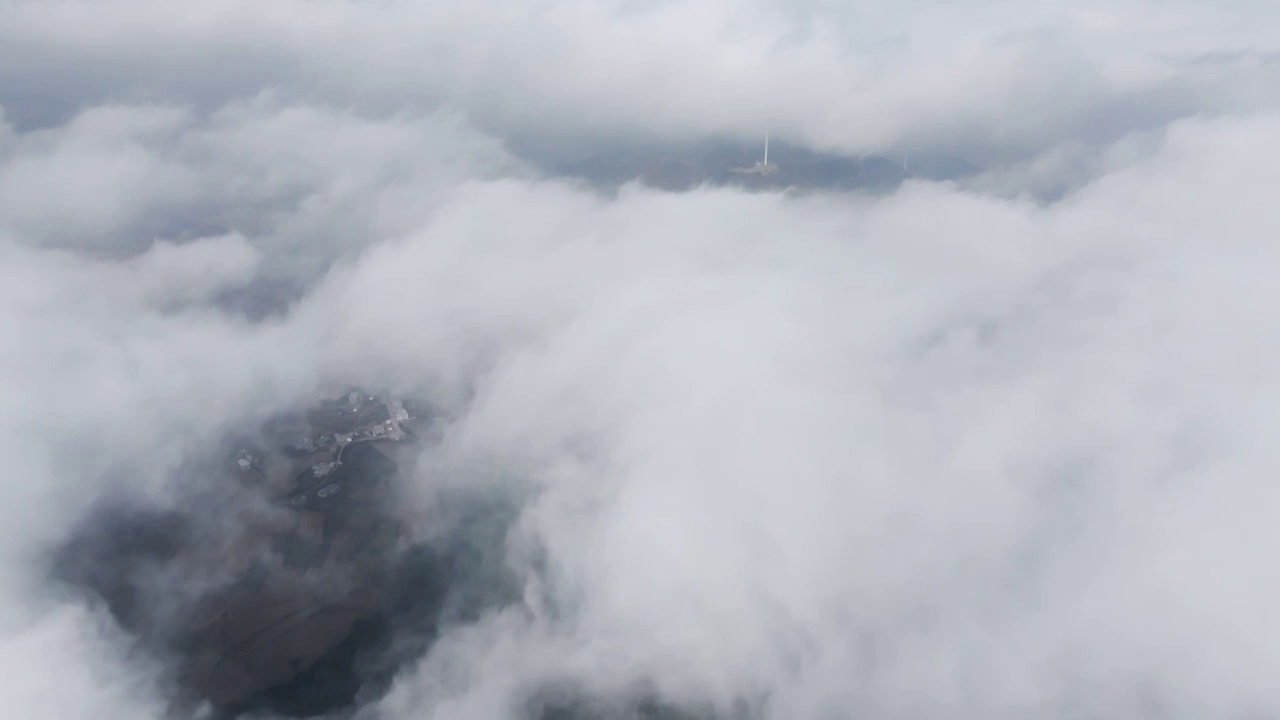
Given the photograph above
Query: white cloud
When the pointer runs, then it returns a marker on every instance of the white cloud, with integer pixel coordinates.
(983, 78)
(947, 451)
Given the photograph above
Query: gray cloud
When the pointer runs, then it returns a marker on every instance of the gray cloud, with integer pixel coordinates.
(950, 450)
(989, 79)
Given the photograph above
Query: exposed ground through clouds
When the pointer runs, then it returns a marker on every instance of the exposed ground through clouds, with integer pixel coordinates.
(998, 447)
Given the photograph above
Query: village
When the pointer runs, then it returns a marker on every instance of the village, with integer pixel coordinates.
(315, 446)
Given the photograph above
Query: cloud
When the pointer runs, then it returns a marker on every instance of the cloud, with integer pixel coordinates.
(914, 441)
(950, 450)
(987, 79)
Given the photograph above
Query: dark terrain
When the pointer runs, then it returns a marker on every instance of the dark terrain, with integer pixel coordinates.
(608, 164)
(283, 585)
(282, 582)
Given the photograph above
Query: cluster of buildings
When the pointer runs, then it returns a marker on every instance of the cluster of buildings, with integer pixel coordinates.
(378, 429)
(388, 429)
(321, 438)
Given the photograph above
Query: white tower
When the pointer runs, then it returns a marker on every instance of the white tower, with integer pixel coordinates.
(762, 167)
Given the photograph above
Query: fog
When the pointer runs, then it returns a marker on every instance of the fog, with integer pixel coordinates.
(995, 446)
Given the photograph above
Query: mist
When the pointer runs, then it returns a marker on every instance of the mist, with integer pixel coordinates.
(986, 434)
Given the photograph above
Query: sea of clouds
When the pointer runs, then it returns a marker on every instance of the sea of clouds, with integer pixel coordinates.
(1000, 447)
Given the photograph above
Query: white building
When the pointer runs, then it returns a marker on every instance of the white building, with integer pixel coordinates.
(322, 469)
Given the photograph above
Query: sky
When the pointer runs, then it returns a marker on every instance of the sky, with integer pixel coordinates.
(993, 447)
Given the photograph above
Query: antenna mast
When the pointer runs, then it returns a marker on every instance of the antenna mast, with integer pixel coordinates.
(766, 148)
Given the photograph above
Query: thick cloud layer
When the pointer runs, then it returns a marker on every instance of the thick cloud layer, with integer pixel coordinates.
(950, 451)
